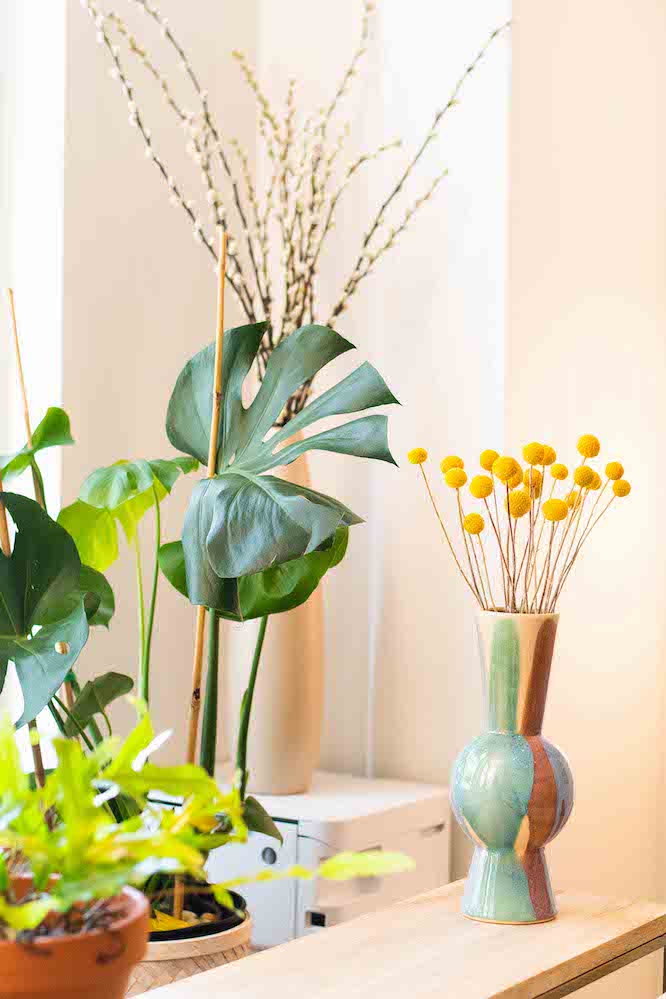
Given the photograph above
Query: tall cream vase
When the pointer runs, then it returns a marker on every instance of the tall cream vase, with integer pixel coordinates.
(286, 722)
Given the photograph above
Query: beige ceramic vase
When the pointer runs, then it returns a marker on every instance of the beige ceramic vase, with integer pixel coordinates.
(285, 728)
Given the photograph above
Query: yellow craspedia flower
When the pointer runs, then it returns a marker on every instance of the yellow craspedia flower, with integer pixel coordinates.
(516, 479)
(417, 455)
(559, 471)
(589, 446)
(487, 459)
(533, 453)
(596, 482)
(574, 499)
(534, 476)
(503, 468)
(549, 454)
(621, 487)
(555, 509)
(474, 523)
(481, 486)
(519, 502)
(584, 476)
(453, 461)
(614, 470)
(456, 478)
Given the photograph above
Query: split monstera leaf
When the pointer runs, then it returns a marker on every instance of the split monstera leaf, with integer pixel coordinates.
(252, 543)
(43, 621)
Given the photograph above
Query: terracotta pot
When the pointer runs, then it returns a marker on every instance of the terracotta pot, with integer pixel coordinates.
(512, 790)
(287, 713)
(80, 966)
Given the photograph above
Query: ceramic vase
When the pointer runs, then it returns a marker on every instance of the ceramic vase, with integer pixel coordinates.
(288, 707)
(512, 790)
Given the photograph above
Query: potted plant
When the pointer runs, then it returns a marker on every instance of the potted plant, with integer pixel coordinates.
(254, 545)
(511, 789)
(71, 919)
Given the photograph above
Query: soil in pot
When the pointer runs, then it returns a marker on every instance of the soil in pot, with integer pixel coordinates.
(53, 964)
(203, 915)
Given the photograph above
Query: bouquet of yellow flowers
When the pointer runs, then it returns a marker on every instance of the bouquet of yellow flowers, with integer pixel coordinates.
(534, 562)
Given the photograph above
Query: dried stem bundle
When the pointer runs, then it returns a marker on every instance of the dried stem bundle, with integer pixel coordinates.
(535, 563)
(274, 266)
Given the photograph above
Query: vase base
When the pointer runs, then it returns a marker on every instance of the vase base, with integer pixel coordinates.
(509, 888)
(510, 922)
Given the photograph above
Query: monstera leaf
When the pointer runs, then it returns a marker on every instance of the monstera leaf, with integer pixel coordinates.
(272, 591)
(53, 431)
(120, 493)
(243, 521)
(36, 583)
(98, 600)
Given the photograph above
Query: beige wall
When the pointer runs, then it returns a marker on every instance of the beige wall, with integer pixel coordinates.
(586, 352)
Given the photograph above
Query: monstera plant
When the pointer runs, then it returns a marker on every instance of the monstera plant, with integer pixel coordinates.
(49, 595)
(253, 544)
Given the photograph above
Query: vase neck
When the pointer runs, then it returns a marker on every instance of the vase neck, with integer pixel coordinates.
(516, 653)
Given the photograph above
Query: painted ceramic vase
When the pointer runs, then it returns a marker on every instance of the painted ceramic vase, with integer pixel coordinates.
(512, 790)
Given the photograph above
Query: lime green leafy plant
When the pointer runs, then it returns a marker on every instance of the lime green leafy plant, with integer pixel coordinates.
(86, 858)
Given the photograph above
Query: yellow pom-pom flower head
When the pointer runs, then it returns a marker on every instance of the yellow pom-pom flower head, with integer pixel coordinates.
(456, 478)
(596, 482)
(549, 454)
(533, 453)
(554, 510)
(516, 479)
(519, 503)
(584, 476)
(453, 461)
(621, 487)
(474, 523)
(533, 480)
(487, 459)
(504, 468)
(574, 499)
(559, 471)
(614, 470)
(417, 455)
(589, 446)
(481, 486)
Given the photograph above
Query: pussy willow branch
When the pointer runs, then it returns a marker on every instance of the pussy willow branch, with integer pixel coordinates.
(302, 193)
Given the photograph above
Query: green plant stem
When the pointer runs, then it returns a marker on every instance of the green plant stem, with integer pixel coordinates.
(56, 717)
(246, 710)
(70, 717)
(143, 679)
(145, 672)
(38, 484)
(209, 724)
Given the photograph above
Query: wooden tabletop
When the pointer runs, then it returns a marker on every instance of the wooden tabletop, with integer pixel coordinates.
(425, 948)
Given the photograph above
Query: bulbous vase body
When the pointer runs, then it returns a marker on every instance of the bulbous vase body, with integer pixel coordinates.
(512, 790)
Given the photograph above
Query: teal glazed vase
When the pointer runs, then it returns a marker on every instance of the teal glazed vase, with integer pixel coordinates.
(512, 790)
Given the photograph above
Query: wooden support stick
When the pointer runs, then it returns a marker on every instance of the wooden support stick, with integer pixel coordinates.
(197, 667)
(195, 699)
(40, 776)
(39, 494)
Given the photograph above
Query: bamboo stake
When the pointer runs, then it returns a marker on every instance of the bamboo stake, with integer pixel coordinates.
(197, 666)
(40, 775)
(195, 700)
